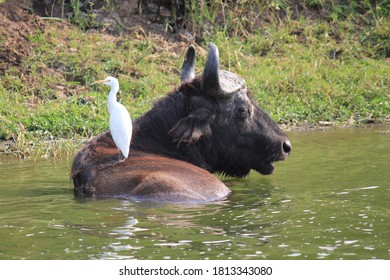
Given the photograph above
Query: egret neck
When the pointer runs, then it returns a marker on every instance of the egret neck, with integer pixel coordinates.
(112, 96)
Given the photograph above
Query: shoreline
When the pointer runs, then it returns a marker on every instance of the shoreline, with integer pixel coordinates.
(68, 147)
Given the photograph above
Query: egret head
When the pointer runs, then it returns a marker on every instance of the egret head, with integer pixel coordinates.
(110, 81)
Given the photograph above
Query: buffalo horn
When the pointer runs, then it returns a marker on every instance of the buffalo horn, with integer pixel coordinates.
(219, 83)
(188, 68)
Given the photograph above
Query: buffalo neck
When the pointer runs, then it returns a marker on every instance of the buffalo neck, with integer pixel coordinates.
(151, 131)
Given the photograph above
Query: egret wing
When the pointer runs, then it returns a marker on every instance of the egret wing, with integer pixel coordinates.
(121, 128)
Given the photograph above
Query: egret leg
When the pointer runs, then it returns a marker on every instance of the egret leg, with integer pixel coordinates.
(121, 157)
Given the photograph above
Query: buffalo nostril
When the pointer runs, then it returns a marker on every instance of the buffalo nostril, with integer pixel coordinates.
(287, 147)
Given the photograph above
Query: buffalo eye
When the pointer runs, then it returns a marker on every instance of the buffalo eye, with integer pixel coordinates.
(243, 113)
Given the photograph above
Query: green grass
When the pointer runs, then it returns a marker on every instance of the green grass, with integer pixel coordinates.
(293, 75)
(300, 82)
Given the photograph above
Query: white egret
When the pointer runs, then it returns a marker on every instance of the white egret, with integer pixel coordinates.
(121, 127)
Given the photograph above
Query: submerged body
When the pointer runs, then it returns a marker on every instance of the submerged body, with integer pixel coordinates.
(210, 124)
(143, 176)
(121, 127)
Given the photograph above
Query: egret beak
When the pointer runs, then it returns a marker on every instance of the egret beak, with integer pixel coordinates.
(99, 82)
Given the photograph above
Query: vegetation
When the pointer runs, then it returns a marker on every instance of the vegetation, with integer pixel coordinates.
(307, 64)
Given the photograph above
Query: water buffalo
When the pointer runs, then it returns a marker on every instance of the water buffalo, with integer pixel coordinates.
(209, 124)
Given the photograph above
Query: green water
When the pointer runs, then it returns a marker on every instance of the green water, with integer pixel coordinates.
(329, 200)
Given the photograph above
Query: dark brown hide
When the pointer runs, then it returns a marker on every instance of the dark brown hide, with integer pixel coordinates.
(142, 176)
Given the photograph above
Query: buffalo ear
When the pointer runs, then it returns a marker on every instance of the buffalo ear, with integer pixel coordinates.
(191, 128)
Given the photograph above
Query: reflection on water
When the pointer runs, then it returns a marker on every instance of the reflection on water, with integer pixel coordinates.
(329, 200)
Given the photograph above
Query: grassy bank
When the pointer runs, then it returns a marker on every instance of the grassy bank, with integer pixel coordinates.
(304, 72)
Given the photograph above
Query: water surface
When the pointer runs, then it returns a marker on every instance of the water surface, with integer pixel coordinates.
(329, 200)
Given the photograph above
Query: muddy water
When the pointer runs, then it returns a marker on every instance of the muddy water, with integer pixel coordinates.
(329, 200)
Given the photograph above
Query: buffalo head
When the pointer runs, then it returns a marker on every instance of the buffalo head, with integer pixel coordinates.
(223, 129)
